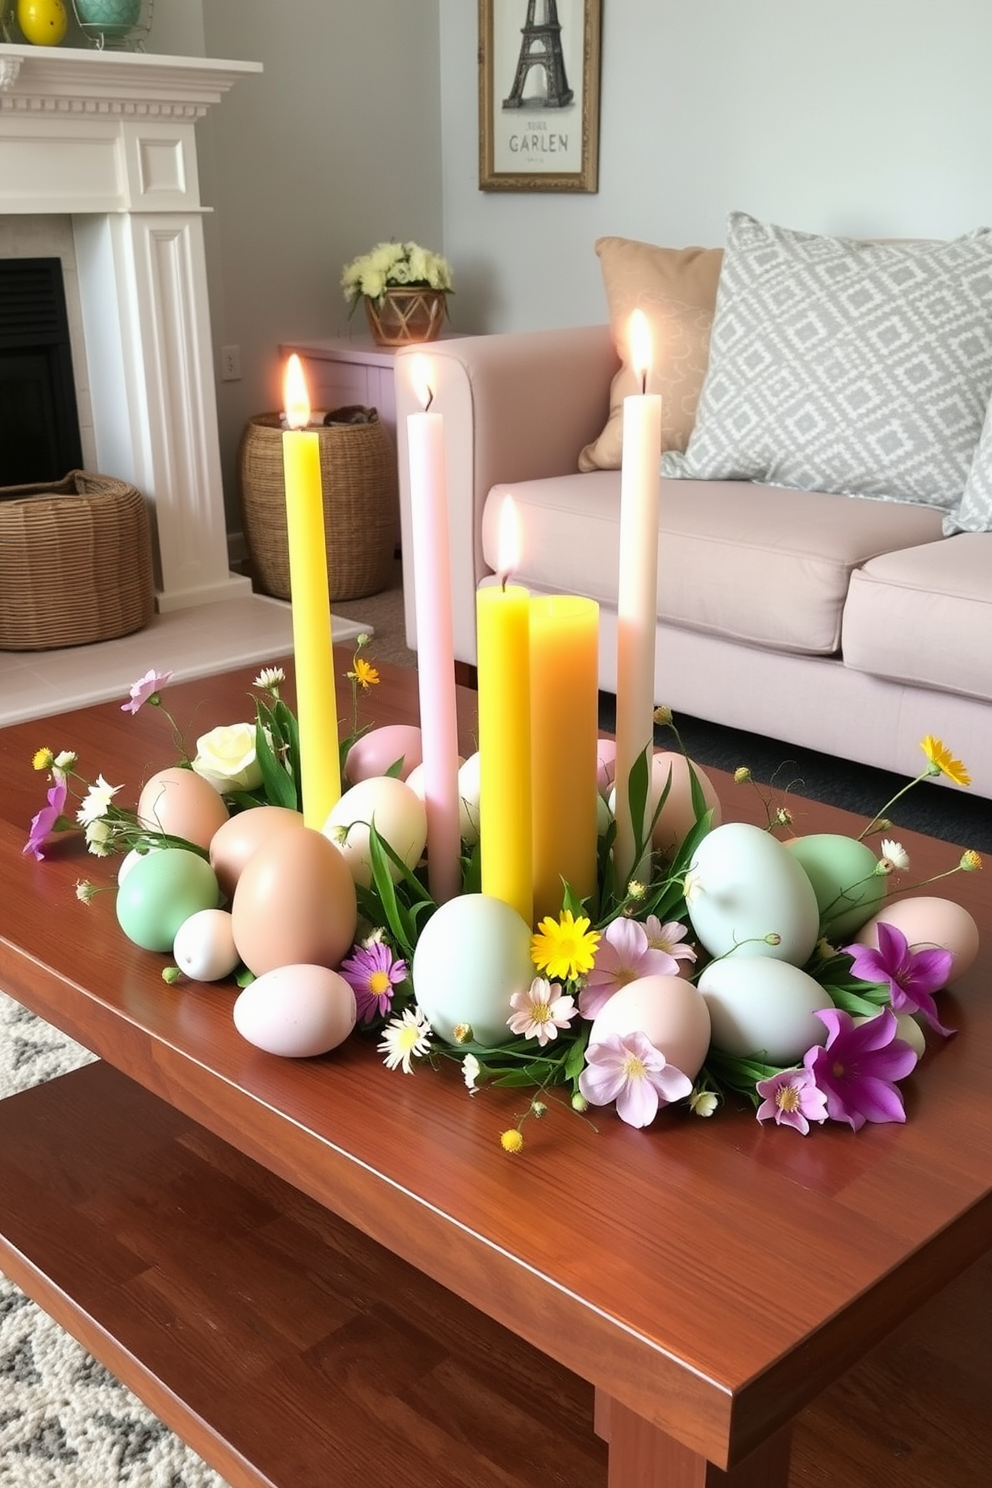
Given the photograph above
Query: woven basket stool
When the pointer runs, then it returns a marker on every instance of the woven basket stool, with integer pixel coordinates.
(360, 486)
(75, 562)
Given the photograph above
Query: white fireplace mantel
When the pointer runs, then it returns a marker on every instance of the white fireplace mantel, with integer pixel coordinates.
(108, 138)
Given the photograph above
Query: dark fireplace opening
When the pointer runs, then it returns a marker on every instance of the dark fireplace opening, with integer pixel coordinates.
(39, 422)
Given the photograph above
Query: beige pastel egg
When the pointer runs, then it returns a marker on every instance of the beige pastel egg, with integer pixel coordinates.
(381, 749)
(606, 764)
(296, 1011)
(677, 817)
(204, 946)
(668, 1011)
(294, 903)
(761, 1005)
(398, 815)
(927, 920)
(468, 820)
(468, 798)
(241, 835)
(907, 1029)
(182, 804)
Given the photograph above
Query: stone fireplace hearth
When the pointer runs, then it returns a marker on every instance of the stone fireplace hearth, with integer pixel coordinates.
(104, 143)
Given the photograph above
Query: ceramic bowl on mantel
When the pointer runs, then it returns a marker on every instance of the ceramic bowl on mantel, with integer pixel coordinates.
(114, 24)
(408, 314)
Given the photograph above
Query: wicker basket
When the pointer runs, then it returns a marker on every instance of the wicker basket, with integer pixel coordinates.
(360, 485)
(75, 563)
(406, 316)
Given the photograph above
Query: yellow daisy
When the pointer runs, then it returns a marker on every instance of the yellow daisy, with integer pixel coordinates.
(43, 759)
(564, 948)
(365, 675)
(511, 1141)
(942, 761)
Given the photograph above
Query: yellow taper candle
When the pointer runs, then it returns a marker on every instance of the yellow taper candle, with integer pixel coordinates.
(564, 704)
(503, 659)
(320, 774)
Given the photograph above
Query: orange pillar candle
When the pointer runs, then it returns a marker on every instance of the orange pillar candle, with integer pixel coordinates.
(320, 775)
(503, 661)
(564, 702)
(637, 603)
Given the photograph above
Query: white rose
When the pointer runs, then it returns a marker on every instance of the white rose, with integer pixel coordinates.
(226, 757)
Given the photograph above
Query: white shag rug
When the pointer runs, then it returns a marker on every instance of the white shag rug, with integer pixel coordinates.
(65, 1421)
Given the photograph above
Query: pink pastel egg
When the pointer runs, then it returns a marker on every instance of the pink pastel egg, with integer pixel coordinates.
(182, 804)
(297, 1011)
(677, 816)
(927, 920)
(606, 762)
(376, 752)
(669, 1011)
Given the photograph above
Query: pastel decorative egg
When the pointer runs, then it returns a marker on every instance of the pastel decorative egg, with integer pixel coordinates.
(204, 948)
(468, 812)
(44, 22)
(843, 873)
(907, 1029)
(668, 1011)
(294, 903)
(606, 765)
(243, 834)
(382, 748)
(296, 1011)
(398, 815)
(744, 885)
(927, 920)
(759, 1005)
(677, 817)
(472, 955)
(162, 890)
(182, 804)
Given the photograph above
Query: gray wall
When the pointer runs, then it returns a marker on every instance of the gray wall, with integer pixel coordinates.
(851, 116)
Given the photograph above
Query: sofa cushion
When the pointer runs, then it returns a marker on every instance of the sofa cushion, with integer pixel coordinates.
(924, 616)
(846, 366)
(771, 571)
(676, 289)
(974, 514)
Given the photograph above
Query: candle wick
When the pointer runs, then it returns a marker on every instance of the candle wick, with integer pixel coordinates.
(430, 400)
(644, 383)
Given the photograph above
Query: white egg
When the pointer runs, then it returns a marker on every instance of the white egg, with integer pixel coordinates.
(468, 796)
(472, 955)
(744, 885)
(468, 819)
(130, 859)
(762, 1006)
(399, 817)
(296, 1011)
(204, 946)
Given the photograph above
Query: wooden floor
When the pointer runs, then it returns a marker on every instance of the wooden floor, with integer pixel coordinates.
(306, 1344)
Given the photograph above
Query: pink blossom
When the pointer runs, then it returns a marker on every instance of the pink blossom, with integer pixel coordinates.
(791, 1098)
(44, 821)
(632, 1072)
(144, 689)
(912, 976)
(540, 1011)
(372, 971)
(624, 955)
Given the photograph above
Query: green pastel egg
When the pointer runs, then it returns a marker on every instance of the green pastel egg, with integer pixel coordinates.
(160, 892)
(843, 872)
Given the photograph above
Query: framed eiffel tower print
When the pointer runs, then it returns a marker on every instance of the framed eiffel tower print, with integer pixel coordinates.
(539, 95)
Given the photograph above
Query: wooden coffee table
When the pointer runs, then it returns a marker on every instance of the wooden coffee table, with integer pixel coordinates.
(251, 1243)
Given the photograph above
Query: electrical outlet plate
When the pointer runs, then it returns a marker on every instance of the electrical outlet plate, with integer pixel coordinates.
(230, 363)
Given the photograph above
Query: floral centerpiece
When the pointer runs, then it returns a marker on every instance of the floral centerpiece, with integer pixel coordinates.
(751, 965)
(404, 288)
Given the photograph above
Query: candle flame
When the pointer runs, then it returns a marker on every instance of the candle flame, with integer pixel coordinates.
(640, 347)
(508, 551)
(296, 399)
(420, 376)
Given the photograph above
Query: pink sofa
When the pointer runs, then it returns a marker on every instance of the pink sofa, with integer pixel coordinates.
(847, 625)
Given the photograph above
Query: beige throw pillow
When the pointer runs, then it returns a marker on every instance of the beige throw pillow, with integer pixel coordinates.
(676, 289)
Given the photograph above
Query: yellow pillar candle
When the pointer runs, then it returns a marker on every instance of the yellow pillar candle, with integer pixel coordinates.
(320, 774)
(637, 603)
(564, 701)
(503, 660)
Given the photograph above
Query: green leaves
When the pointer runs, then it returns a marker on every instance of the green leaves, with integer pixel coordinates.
(277, 750)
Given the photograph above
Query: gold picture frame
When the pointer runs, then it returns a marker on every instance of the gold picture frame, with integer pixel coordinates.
(539, 95)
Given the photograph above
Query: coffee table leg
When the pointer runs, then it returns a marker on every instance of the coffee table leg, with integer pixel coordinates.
(641, 1456)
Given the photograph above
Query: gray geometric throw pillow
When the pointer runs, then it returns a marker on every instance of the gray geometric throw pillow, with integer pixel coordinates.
(975, 512)
(839, 365)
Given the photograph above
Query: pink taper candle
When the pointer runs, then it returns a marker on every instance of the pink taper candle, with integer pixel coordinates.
(637, 603)
(435, 647)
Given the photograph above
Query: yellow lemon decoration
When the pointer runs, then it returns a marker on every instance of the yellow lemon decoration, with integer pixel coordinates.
(44, 22)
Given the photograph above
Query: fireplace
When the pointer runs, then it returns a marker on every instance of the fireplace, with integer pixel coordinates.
(39, 420)
(106, 141)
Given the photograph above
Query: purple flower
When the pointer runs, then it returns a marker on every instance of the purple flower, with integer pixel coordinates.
(912, 976)
(631, 1071)
(791, 1098)
(857, 1067)
(145, 688)
(372, 971)
(45, 820)
(623, 955)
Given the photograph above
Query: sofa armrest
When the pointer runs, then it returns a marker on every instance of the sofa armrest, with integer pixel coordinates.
(516, 406)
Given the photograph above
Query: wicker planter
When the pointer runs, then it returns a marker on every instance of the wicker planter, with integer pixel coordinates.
(360, 485)
(406, 316)
(75, 563)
